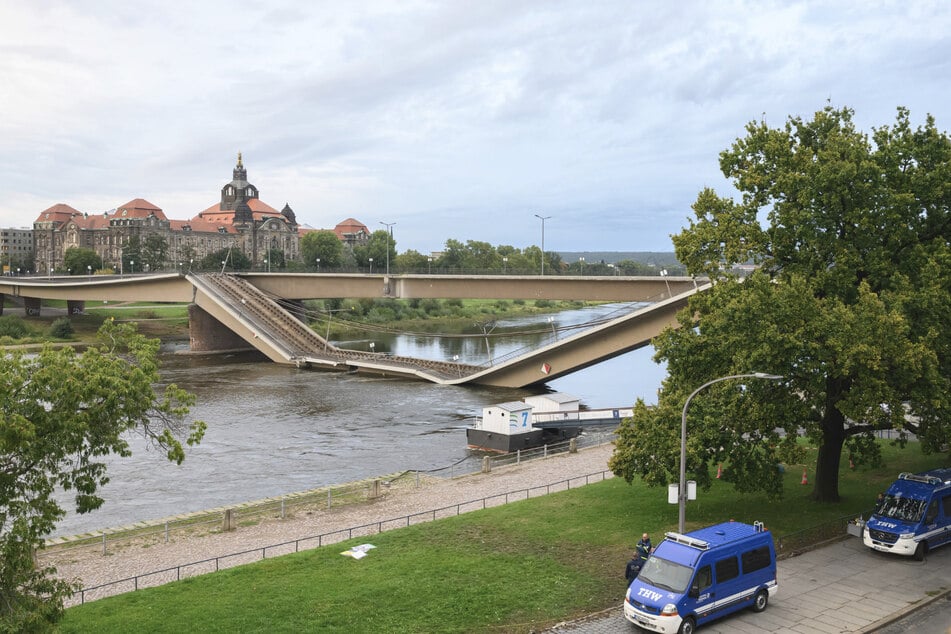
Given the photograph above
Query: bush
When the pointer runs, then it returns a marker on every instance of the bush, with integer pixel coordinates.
(62, 328)
(13, 327)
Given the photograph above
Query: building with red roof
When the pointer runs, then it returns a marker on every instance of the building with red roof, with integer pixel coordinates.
(240, 220)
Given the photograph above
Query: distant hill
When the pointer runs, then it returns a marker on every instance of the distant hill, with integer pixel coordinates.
(656, 258)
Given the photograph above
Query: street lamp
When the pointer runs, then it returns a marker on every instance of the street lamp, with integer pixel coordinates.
(663, 274)
(132, 267)
(543, 219)
(371, 265)
(682, 488)
(430, 260)
(267, 263)
(505, 264)
(318, 265)
(389, 237)
(89, 269)
(581, 263)
(329, 319)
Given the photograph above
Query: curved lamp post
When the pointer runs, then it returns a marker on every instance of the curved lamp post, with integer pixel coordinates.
(682, 489)
(543, 219)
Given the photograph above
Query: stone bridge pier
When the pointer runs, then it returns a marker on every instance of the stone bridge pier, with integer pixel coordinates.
(207, 334)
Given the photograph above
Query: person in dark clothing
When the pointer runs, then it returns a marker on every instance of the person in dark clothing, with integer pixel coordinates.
(644, 547)
(633, 568)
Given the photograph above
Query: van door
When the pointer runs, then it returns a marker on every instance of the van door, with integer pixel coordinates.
(701, 594)
(728, 586)
(942, 521)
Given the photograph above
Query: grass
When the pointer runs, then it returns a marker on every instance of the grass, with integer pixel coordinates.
(517, 568)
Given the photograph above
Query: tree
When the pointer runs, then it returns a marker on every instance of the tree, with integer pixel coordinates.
(62, 412)
(154, 252)
(80, 260)
(322, 245)
(850, 304)
(377, 247)
(227, 259)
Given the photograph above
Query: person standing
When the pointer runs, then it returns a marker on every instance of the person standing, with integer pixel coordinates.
(644, 546)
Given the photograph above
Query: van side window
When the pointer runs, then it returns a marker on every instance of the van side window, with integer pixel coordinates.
(704, 579)
(727, 569)
(755, 559)
(932, 513)
(946, 504)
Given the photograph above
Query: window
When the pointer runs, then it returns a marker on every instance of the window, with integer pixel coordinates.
(946, 504)
(703, 580)
(727, 569)
(755, 559)
(932, 513)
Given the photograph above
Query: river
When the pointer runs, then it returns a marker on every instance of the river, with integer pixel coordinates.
(276, 429)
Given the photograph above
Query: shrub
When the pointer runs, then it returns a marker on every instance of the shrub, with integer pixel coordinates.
(13, 327)
(61, 328)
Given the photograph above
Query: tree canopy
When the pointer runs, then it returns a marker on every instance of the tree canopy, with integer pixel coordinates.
(61, 413)
(849, 301)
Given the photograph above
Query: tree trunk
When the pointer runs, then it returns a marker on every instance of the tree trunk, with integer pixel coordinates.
(826, 488)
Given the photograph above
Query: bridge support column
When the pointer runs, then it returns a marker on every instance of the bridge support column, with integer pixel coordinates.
(2, 301)
(207, 334)
(75, 307)
(31, 306)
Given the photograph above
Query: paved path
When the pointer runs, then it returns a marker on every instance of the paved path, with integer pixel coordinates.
(842, 587)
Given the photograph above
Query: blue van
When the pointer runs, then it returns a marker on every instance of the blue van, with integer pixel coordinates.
(914, 516)
(708, 573)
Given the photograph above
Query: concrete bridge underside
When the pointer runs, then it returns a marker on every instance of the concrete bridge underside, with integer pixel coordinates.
(230, 310)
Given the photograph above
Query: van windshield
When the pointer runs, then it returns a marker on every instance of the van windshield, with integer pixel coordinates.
(665, 574)
(905, 509)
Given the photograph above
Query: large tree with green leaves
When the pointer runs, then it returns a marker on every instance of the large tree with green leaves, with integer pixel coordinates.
(321, 249)
(61, 413)
(850, 303)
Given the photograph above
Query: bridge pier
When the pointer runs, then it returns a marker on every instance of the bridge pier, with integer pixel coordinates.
(207, 334)
(3, 300)
(31, 306)
(75, 307)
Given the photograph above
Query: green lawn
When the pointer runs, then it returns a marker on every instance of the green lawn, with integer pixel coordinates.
(517, 568)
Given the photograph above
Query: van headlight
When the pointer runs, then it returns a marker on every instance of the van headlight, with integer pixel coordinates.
(906, 536)
(669, 610)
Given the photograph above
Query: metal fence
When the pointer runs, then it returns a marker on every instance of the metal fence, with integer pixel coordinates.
(176, 573)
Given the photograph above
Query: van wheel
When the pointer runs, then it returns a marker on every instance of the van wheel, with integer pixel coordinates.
(761, 600)
(687, 626)
(921, 551)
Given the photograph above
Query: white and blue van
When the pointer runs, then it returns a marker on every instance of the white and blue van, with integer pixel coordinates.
(914, 516)
(708, 573)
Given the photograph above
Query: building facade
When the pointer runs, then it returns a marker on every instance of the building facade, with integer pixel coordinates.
(240, 221)
(16, 249)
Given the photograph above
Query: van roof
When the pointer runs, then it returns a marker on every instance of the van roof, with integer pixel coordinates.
(686, 549)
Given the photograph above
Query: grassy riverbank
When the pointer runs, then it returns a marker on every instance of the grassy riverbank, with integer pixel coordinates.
(516, 568)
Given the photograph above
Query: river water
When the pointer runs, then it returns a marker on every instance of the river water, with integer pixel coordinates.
(276, 429)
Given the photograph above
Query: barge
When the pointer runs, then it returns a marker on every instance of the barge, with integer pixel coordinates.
(536, 421)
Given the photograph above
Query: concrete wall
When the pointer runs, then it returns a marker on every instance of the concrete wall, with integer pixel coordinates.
(207, 334)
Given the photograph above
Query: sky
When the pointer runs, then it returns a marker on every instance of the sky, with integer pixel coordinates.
(459, 120)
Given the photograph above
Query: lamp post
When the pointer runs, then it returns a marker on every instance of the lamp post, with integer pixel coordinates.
(132, 267)
(682, 488)
(581, 264)
(89, 269)
(543, 219)
(267, 263)
(329, 319)
(318, 265)
(430, 261)
(663, 274)
(505, 265)
(389, 237)
(371, 265)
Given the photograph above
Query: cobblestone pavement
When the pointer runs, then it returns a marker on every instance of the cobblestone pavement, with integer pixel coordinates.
(841, 587)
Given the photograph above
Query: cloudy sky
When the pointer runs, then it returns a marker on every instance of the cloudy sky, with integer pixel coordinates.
(456, 119)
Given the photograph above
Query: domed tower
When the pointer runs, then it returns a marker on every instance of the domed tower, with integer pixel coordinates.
(242, 212)
(239, 189)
